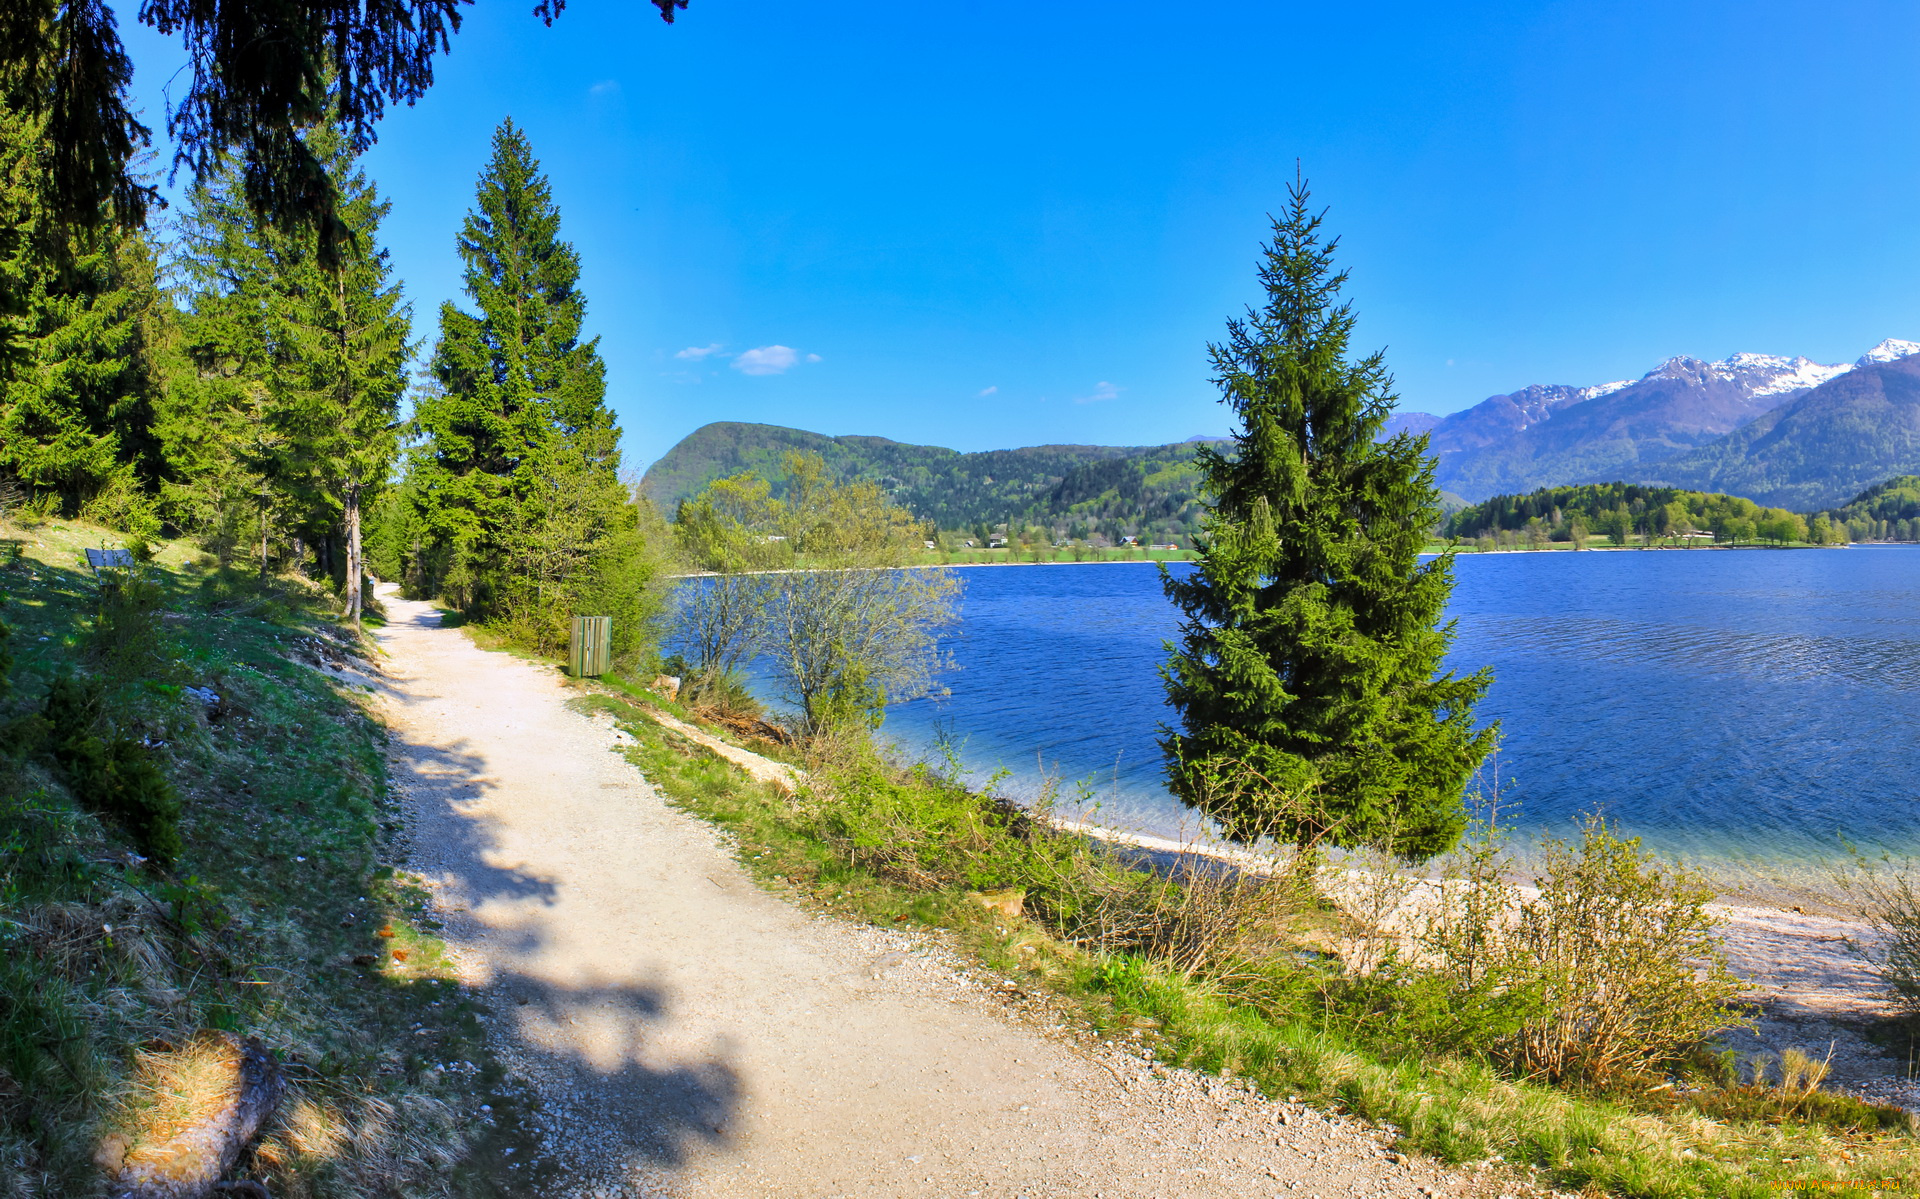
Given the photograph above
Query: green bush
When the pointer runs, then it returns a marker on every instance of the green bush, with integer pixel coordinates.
(113, 776)
(127, 636)
(1611, 976)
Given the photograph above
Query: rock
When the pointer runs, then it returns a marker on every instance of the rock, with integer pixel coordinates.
(1011, 904)
(210, 1100)
(667, 686)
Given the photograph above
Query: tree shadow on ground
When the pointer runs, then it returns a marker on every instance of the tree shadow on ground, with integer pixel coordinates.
(620, 1099)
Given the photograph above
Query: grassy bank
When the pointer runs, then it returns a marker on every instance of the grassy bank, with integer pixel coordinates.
(279, 915)
(907, 847)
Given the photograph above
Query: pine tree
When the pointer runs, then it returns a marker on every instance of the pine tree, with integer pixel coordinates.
(344, 337)
(76, 312)
(516, 472)
(76, 425)
(285, 419)
(1306, 678)
(222, 450)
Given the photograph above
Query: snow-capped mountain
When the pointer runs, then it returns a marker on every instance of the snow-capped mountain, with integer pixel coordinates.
(1548, 434)
(1888, 351)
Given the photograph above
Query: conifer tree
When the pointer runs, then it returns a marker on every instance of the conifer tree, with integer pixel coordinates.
(516, 471)
(223, 452)
(76, 312)
(1307, 679)
(286, 417)
(77, 422)
(344, 337)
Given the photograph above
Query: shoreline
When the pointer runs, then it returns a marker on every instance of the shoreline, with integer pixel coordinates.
(1809, 983)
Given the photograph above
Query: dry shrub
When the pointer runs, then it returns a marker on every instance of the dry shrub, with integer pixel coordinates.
(1610, 974)
(1887, 898)
(1195, 914)
(1633, 975)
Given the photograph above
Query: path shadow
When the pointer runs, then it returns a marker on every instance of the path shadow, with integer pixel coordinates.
(438, 780)
(620, 1102)
(611, 1107)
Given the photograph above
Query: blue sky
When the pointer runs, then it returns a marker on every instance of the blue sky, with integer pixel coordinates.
(986, 225)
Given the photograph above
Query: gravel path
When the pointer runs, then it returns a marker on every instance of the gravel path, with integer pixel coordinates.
(685, 1033)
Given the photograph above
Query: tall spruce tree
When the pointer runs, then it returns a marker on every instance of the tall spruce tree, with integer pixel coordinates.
(1307, 676)
(285, 418)
(225, 455)
(516, 470)
(76, 425)
(344, 335)
(77, 309)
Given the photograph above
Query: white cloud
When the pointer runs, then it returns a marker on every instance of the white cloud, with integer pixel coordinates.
(984, 392)
(1102, 390)
(766, 360)
(813, 357)
(698, 352)
(606, 87)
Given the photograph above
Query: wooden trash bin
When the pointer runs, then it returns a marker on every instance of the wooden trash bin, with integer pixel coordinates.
(590, 649)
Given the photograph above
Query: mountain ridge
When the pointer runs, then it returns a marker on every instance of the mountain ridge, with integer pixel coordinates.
(1554, 434)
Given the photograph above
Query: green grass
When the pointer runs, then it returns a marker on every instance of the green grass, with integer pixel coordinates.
(268, 924)
(1459, 1109)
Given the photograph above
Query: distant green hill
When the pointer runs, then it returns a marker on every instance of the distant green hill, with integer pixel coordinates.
(1079, 491)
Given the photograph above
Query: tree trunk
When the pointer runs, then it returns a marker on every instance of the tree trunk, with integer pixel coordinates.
(353, 553)
(264, 573)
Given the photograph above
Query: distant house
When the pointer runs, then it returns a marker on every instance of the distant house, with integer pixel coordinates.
(928, 544)
(1134, 541)
(996, 542)
(1168, 546)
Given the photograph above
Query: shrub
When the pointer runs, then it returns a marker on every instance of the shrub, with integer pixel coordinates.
(1194, 915)
(1886, 896)
(113, 776)
(1609, 976)
(127, 637)
(725, 694)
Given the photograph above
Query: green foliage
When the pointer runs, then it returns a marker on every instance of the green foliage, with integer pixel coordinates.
(845, 631)
(127, 637)
(1887, 511)
(1311, 643)
(512, 507)
(1151, 492)
(80, 309)
(111, 774)
(279, 426)
(1626, 511)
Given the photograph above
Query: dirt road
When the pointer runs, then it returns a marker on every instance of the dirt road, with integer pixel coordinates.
(686, 1033)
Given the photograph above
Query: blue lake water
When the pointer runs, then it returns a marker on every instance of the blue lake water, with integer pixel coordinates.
(1743, 705)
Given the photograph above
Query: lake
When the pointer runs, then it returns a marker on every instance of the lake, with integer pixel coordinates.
(1747, 705)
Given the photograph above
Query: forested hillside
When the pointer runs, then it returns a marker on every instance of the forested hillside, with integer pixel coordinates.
(1819, 449)
(1628, 513)
(1888, 511)
(1096, 493)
